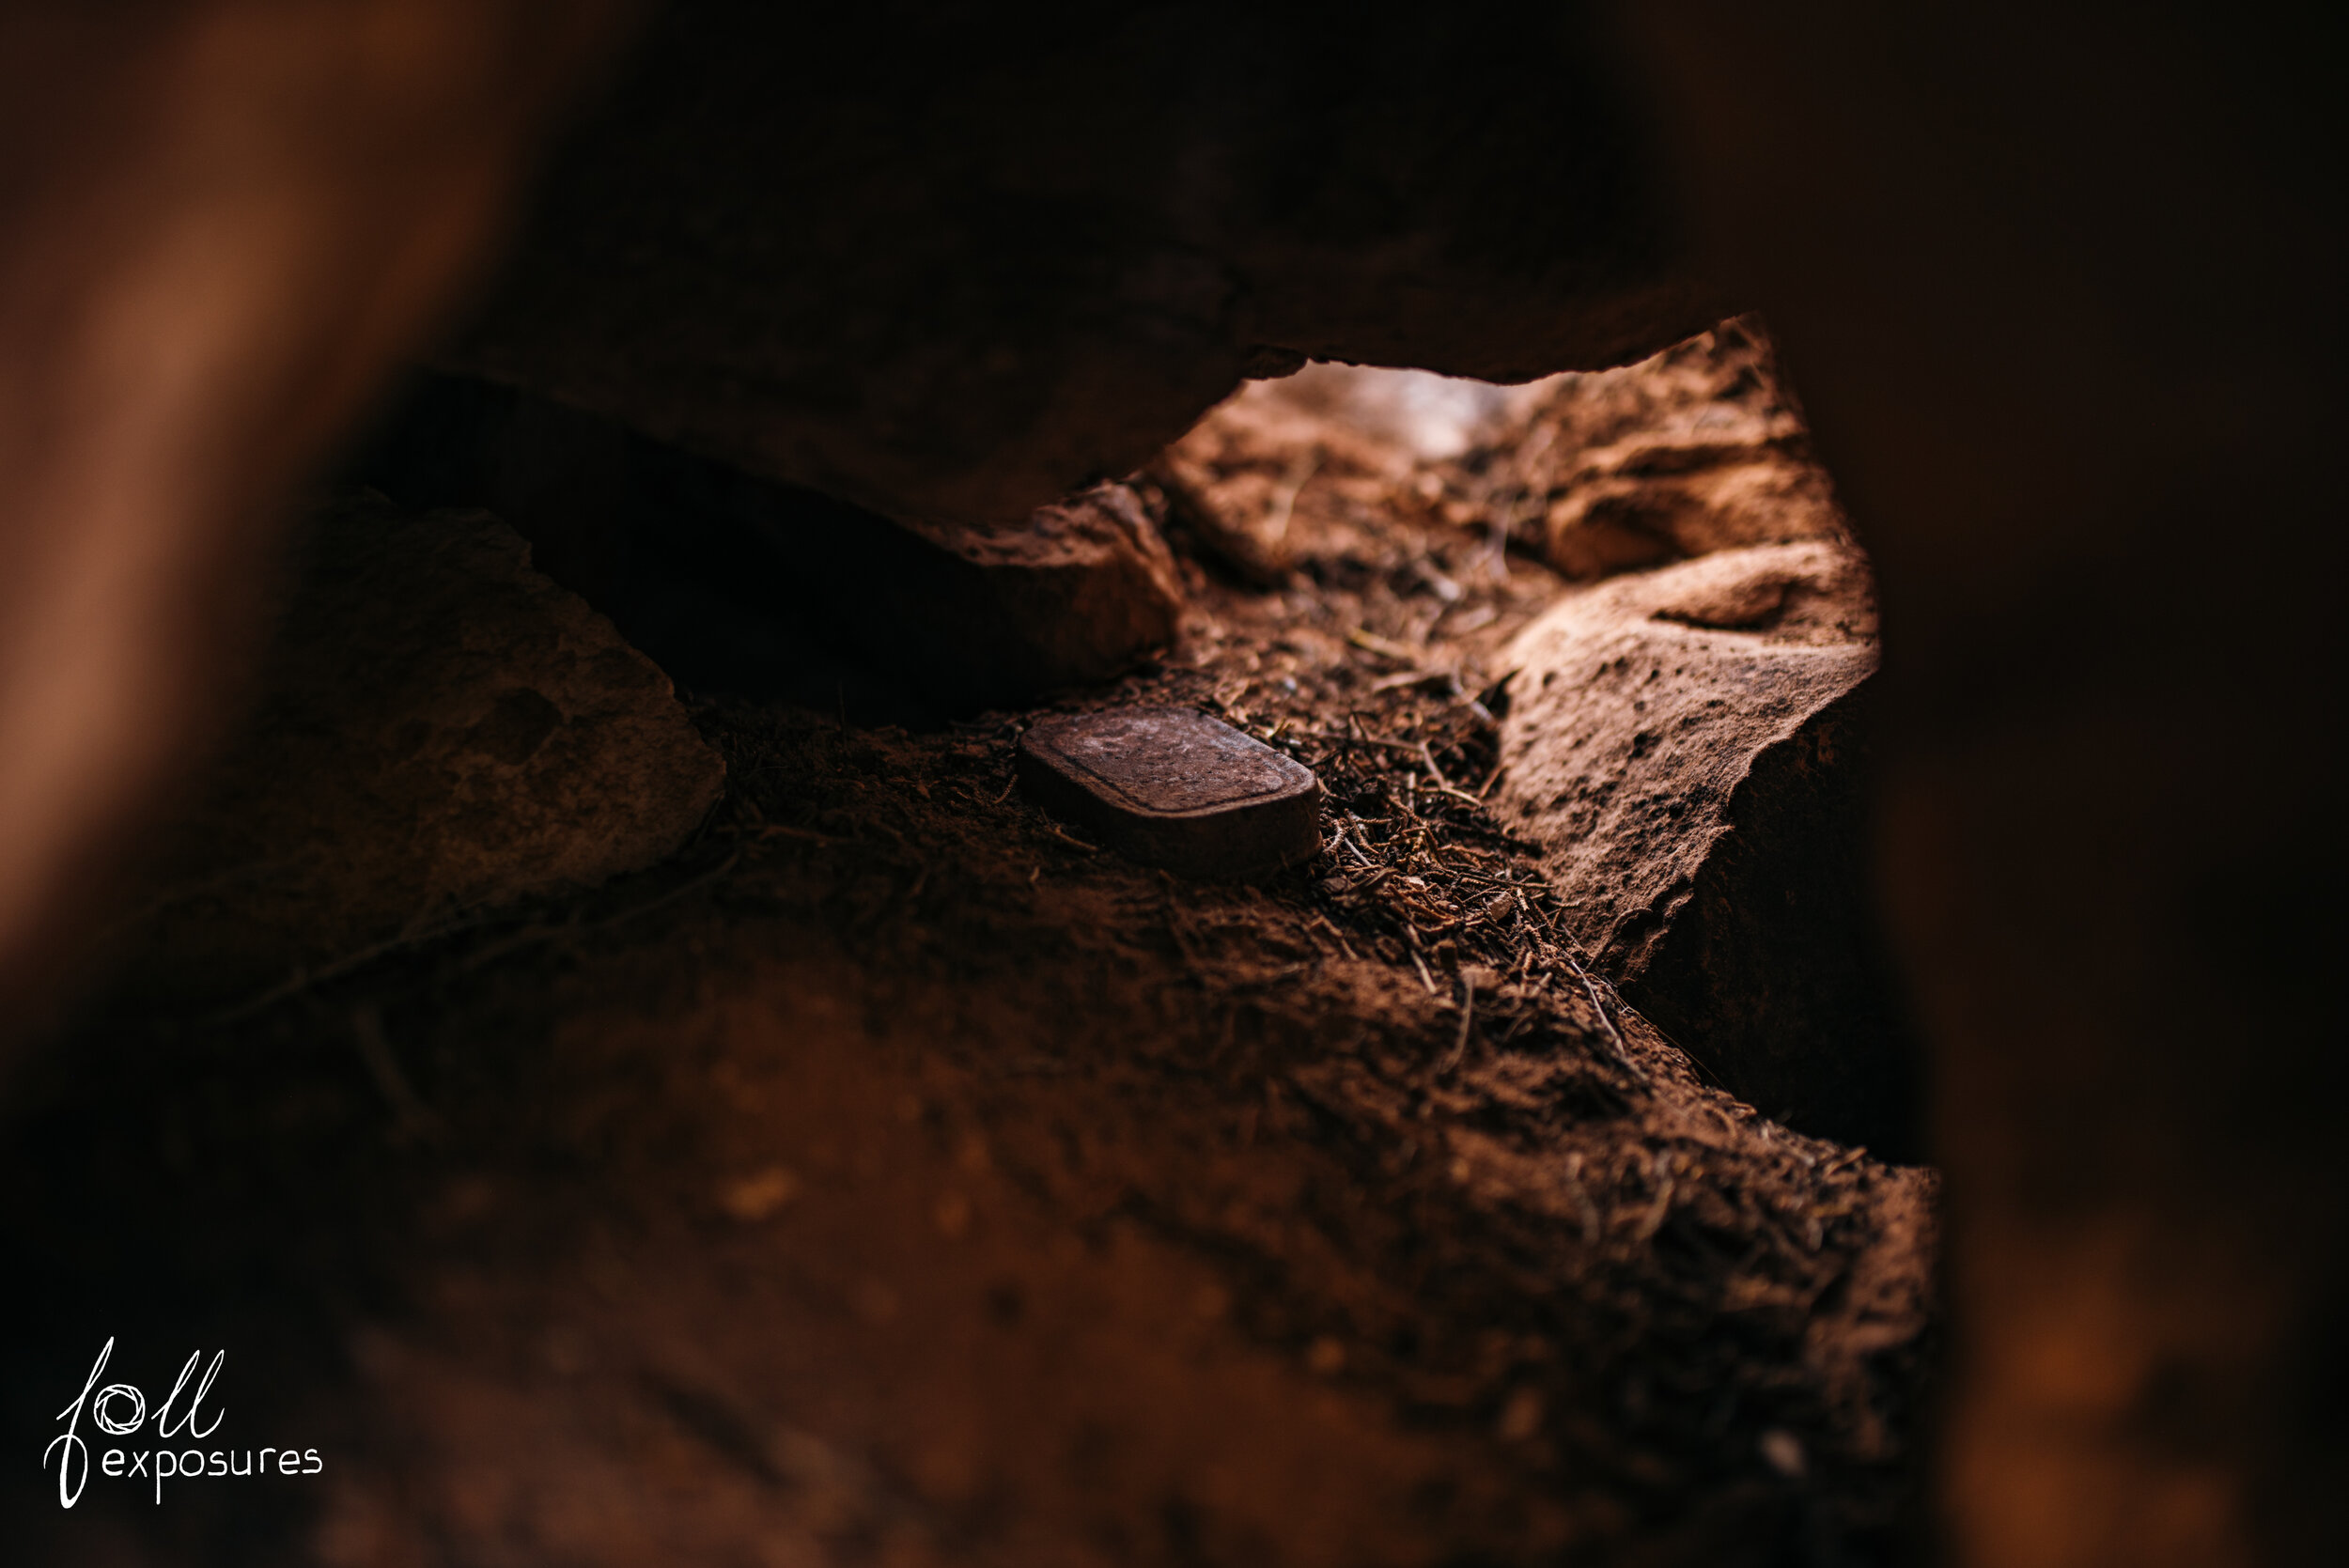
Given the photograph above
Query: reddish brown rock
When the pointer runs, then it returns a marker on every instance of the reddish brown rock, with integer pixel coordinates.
(1076, 594)
(442, 730)
(1660, 497)
(1690, 746)
(1700, 448)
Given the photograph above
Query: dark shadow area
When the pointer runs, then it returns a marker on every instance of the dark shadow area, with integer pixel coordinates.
(1776, 974)
(732, 584)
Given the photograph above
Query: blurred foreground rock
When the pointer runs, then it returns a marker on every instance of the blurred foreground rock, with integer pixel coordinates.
(1690, 746)
(442, 730)
(961, 262)
(221, 224)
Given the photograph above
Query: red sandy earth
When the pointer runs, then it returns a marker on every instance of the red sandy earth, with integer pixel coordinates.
(893, 1179)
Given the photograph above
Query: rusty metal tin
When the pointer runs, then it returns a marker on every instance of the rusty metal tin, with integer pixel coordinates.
(1171, 788)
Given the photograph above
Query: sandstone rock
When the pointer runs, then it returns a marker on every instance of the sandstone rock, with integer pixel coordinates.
(1690, 746)
(1696, 449)
(1700, 448)
(1655, 498)
(442, 730)
(1075, 596)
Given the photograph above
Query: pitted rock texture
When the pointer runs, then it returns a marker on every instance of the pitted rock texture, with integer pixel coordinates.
(1653, 499)
(1690, 747)
(442, 730)
(1701, 448)
(1696, 449)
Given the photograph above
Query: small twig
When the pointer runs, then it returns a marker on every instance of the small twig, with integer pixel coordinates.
(531, 934)
(1370, 642)
(1405, 747)
(1655, 1216)
(1468, 1021)
(1591, 1224)
(411, 1116)
(1614, 1036)
(303, 980)
(779, 830)
(1411, 677)
(1343, 945)
(1284, 499)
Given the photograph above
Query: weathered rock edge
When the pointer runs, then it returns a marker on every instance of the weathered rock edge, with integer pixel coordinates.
(1691, 747)
(442, 730)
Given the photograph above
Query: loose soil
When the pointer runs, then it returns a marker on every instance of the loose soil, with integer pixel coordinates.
(895, 1177)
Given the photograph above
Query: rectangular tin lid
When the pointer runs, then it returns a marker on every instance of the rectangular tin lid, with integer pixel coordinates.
(1175, 787)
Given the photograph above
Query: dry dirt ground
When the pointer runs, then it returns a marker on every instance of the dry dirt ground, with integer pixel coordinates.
(893, 1177)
